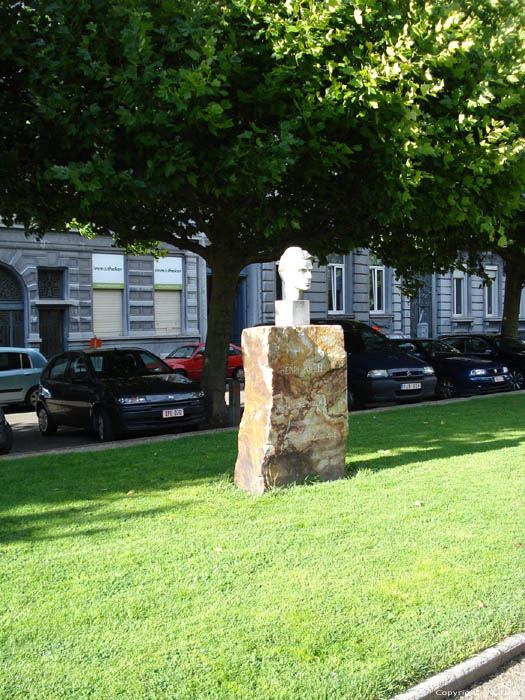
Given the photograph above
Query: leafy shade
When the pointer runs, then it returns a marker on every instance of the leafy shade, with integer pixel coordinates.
(235, 129)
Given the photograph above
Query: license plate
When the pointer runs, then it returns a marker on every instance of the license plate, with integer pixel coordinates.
(499, 379)
(411, 387)
(172, 412)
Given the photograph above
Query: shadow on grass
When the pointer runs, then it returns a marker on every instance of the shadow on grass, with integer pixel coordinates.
(73, 494)
(77, 521)
(67, 487)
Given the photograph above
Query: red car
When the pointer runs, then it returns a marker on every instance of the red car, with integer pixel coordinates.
(188, 360)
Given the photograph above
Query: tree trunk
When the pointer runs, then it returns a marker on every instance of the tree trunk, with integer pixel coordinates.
(225, 276)
(514, 279)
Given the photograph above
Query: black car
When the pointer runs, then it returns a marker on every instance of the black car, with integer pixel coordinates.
(114, 392)
(378, 372)
(457, 374)
(6, 434)
(500, 348)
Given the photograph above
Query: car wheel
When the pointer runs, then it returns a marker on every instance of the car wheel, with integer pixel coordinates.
(353, 401)
(517, 381)
(7, 442)
(103, 426)
(445, 388)
(238, 375)
(32, 397)
(46, 424)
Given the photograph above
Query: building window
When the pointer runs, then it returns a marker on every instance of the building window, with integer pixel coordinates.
(459, 293)
(336, 288)
(168, 282)
(50, 283)
(107, 312)
(491, 292)
(168, 312)
(278, 283)
(377, 288)
(108, 294)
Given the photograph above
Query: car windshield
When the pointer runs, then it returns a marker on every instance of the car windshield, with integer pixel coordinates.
(366, 341)
(184, 352)
(438, 347)
(127, 363)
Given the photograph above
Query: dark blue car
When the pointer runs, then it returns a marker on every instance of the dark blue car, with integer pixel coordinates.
(499, 348)
(458, 374)
(378, 372)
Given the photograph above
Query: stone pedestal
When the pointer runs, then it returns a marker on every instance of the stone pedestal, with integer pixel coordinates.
(295, 420)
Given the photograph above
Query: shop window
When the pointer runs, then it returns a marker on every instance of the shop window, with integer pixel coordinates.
(107, 312)
(108, 292)
(168, 305)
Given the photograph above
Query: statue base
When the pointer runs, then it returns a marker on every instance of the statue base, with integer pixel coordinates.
(292, 313)
(295, 421)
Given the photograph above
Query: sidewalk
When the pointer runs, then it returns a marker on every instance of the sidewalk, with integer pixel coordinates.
(497, 673)
(508, 683)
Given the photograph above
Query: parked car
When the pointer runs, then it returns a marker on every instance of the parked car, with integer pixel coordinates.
(6, 435)
(113, 392)
(20, 370)
(188, 360)
(457, 374)
(499, 348)
(378, 372)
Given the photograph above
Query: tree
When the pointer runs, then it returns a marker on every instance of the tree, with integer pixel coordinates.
(254, 123)
(465, 173)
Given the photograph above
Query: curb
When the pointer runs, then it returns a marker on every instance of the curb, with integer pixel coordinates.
(129, 442)
(464, 674)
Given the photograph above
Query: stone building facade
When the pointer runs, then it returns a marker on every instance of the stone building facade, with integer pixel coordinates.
(56, 294)
(61, 291)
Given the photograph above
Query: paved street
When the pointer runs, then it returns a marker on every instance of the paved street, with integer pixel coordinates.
(27, 437)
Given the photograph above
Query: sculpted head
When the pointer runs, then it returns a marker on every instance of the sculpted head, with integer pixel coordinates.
(295, 270)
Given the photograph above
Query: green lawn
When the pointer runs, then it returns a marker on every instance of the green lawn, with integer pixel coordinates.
(143, 573)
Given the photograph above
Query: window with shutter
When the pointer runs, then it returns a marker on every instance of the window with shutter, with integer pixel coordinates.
(168, 312)
(107, 312)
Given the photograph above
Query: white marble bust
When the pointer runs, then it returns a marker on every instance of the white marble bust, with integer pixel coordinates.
(295, 270)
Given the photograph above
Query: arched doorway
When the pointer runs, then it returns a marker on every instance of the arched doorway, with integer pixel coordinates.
(11, 310)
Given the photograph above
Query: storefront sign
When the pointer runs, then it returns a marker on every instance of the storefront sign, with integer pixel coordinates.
(168, 273)
(108, 271)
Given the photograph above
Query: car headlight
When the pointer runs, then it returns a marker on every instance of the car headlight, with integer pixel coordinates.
(197, 395)
(478, 372)
(45, 392)
(505, 370)
(131, 400)
(377, 373)
(427, 369)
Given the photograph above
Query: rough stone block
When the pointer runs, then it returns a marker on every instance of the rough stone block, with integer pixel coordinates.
(295, 420)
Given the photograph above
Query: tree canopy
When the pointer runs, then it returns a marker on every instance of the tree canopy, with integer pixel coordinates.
(263, 124)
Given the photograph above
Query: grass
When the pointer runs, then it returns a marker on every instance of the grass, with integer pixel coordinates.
(142, 573)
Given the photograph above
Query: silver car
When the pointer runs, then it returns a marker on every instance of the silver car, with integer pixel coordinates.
(20, 370)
